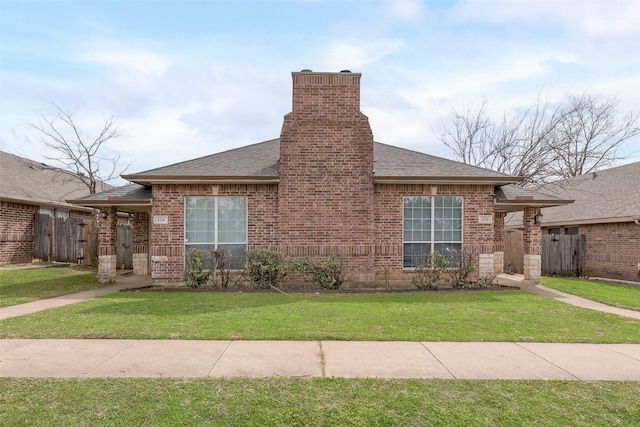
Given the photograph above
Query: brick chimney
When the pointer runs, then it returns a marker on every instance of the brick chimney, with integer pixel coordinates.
(325, 193)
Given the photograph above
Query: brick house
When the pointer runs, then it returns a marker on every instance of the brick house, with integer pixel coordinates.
(324, 187)
(607, 211)
(28, 188)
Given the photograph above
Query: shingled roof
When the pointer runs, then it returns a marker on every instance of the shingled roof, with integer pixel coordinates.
(610, 195)
(26, 181)
(259, 162)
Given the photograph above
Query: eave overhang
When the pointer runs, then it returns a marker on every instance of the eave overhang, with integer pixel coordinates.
(45, 203)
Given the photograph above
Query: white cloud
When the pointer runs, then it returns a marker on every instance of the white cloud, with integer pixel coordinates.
(407, 10)
(356, 55)
(143, 61)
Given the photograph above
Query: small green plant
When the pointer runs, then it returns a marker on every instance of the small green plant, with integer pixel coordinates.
(194, 274)
(265, 268)
(429, 271)
(324, 273)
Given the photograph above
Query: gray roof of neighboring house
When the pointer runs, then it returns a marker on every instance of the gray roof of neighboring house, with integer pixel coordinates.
(260, 162)
(610, 195)
(26, 181)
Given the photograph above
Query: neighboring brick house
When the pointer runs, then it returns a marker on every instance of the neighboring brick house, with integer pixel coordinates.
(324, 187)
(26, 188)
(607, 211)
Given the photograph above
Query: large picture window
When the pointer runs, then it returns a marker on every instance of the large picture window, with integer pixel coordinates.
(213, 223)
(431, 224)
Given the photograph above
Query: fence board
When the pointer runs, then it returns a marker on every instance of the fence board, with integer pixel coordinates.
(41, 236)
(124, 247)
(563, 255)
(514, 251)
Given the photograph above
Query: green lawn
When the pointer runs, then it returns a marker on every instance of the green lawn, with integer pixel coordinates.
(333, 401)
(21, 286)
(615, 295)
(418, 316)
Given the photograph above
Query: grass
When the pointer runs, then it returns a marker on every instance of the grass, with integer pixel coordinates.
(614, 295)
(22, 286)
(344, 402)
(513, 316)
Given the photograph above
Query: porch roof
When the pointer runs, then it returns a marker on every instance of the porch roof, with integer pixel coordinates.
(512, 198)
(130, 198)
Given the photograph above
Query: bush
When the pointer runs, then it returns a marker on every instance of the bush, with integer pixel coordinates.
(222, 268)
(265, 268)
(462, 267)
(429, 271)
(326, 273)
(194, 275)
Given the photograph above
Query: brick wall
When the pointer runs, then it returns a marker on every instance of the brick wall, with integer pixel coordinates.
(612, 250)
(167, 240)
(16, 232)
(477, 238)
(326, 197)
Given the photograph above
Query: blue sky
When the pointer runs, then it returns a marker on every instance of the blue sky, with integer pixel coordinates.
(192, 78)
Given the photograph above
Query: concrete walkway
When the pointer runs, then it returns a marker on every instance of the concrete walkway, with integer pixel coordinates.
(126, 282)
(264, 359)
(535, 288)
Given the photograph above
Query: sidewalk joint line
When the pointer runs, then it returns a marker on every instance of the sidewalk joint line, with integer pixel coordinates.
(323, 361)
(548, 361)
(133, 342)
(438, 360)
(219, 357)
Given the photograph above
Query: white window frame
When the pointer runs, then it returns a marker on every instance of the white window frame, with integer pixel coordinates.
(431, 242)
(215, 243)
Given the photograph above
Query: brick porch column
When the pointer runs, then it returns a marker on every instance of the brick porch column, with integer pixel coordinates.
(532, 245)
(107, 233)
(498, 242)
(140, 224)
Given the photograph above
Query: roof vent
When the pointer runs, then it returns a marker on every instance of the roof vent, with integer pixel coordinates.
(306, 70)
(345, 72)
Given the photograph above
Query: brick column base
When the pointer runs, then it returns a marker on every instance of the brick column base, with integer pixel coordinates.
(485, 264)
(141, 264)
(107, 268)
(532, 267)
(498, 262)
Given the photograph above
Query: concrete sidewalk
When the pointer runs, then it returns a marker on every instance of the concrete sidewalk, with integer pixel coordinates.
(263, 359)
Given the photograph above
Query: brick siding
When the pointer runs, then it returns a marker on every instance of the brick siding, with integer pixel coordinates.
(326, 192)
(477, 238)
(612, 250)
(16, 232)
(167, 241)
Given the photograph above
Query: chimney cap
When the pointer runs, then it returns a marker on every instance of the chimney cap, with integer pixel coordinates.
(345, 71)
(306, 70)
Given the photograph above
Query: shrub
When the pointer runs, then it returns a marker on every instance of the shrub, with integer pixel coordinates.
(222, 267)
(324, 273)
(194, 275)
(429, 271)
(265, 268)
(462, 267)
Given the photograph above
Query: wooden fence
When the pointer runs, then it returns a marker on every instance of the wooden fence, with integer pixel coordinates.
(124, 247)
(514, 251)
(63, 239)
(563, 255)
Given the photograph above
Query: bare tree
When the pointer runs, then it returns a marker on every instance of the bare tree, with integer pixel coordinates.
(84, 157)
(589, 135)
(544, 142)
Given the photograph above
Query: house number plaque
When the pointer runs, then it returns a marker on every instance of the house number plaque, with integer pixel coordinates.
(161, 219)
(485, 219)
